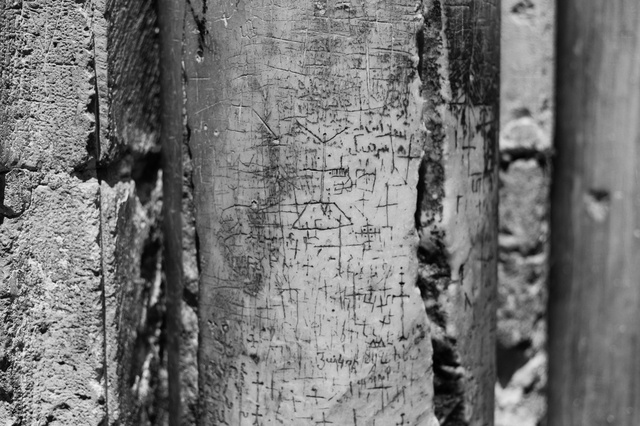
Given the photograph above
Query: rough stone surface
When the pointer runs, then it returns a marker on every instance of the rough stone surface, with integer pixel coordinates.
(128, 157)
(81, 294)
(47, 87)
(134, 307)
(51, 333)
(51, 328)
(525, 147)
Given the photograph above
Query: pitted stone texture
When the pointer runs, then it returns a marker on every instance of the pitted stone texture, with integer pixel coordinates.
(46, 102)
(51, 331)
(51, 326)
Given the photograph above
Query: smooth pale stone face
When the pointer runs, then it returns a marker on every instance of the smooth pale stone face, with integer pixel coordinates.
(306, 131)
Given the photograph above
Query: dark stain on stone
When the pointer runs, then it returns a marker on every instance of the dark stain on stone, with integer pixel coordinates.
(523, 6)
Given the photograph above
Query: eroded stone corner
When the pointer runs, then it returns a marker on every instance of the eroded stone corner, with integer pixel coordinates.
(129, 168)
(434, 276)
(457, 202)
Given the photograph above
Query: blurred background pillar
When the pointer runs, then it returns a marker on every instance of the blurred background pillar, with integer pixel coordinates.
(594, 298)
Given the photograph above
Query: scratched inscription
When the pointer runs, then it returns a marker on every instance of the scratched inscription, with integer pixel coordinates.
(305, 122)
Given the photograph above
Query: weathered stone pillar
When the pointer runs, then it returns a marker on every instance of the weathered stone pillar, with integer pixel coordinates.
(594, 292)
(323, 134)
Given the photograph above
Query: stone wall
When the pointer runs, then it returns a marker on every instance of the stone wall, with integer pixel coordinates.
(525, 148)
(81, 300)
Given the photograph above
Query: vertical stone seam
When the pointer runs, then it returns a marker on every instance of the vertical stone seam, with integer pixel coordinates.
(172, 140)
(191, 409)
(187, 141)
(96, 154)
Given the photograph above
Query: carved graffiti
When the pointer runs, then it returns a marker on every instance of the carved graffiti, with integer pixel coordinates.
(307, 124)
